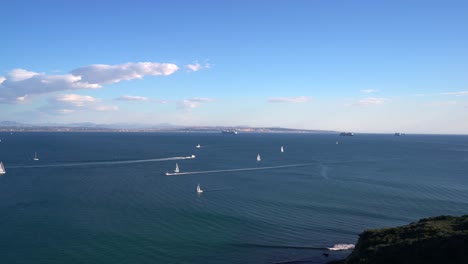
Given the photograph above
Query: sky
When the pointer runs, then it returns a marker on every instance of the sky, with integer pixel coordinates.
(361, 66)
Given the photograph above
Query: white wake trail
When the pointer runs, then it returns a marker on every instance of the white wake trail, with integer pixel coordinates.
(100, 163)
(243, 169)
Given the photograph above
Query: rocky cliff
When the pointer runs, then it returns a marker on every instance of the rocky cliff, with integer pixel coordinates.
(442, 239)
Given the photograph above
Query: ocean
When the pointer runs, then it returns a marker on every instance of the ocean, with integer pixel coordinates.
(105, 198)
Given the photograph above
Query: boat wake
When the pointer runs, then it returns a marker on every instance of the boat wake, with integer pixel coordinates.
(218, 190)
(243, 169)
(101, 162)
(253, 245)
(335, 247)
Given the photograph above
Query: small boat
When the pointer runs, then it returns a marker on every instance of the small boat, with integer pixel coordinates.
(258, 157)
(233, 132)
(176, 170)
(199, 190)
(198, 146)
(2, 168)
(35, 157)
(282, 149)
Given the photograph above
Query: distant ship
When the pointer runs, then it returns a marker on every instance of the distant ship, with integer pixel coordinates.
(346, 134)
(399, 134)
(35, 157)
(199, 190)
(229, 132)
(258, 157)
(282, 149)
(198, 146)
(2, 168)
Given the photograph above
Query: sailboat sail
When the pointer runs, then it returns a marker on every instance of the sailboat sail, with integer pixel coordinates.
(199, 190)
(2, 168)
(176, 170)
(258, 157)
(282, 149)
(35, 156)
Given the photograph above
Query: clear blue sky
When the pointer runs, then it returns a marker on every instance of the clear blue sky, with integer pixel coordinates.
(363, 66)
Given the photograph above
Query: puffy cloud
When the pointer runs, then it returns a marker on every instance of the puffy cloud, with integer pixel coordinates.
(368, 91)
(19, 83)
(460, 93)
(193, 102)
(16, 75)
(103, 73)
(298, 99)
(196, 66)
(70, 103)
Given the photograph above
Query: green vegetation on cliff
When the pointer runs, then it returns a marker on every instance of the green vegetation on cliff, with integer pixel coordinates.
(442, 239)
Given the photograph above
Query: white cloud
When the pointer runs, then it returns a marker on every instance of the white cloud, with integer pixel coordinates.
(196, 66)
(193, 102)
(368, 91)
(103, 73)
(18, 86)
(298, 99)
(70, 103)
(16, 75)
(75, 99)
(22, 99)
(19, 83)
(369, 101)
(132, 98)
(136, 98)
(460, 93)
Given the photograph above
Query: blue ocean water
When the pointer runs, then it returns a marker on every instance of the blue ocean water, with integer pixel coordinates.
(105, 198)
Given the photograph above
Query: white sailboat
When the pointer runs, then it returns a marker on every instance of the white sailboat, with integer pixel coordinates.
(198, 146)
(258, 157)
(176, 170)
(282, 149)
(35, 157)
(2, 168)
(199, 190)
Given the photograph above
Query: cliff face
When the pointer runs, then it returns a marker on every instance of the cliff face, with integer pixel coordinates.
(442, 239)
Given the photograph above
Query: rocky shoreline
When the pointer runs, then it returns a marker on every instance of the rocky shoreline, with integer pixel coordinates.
(442, 239)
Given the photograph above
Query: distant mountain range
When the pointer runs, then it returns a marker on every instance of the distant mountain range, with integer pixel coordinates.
(134, 127)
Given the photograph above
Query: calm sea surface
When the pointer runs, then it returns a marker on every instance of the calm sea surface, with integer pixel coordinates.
(105, 198)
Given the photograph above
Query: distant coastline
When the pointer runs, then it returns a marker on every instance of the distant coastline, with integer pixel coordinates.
(7, 126)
